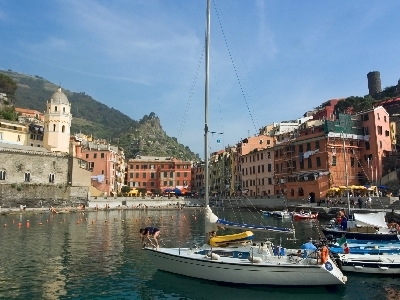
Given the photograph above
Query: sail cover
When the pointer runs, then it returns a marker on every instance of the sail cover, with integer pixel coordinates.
(213, 222)
(371, 219)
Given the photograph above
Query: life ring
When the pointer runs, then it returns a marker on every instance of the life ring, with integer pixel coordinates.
(324, 255)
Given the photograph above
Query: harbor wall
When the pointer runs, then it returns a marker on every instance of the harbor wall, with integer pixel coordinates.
(39, 195)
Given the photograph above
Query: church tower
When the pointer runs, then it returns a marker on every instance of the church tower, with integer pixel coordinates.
(57, 123)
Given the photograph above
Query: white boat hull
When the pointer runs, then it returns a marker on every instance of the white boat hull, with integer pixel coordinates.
(277, 271)
(370, 264)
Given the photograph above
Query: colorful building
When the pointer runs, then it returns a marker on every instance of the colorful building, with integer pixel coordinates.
(156, 174)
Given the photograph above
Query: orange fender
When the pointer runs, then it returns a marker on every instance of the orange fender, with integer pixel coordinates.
(324, 255)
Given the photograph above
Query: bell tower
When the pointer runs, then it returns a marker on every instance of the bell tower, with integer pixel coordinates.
(57, 123)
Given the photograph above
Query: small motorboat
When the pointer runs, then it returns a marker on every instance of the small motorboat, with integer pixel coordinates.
(305, 215)
(365, 226)
(373, 264)
(282, 214)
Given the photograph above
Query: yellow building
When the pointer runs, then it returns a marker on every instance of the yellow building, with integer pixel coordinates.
(13, 133)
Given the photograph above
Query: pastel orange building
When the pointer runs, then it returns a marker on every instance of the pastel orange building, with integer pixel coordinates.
(329, 154)
(155, 174)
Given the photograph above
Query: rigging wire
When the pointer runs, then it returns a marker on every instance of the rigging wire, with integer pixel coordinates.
(246, 99)
(191, 92)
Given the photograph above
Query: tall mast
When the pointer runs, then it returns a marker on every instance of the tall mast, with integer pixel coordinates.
(345, 172)
(207, 57)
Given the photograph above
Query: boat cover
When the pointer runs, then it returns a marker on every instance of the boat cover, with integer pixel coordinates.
(229, 224)
(213, 222)
(371, 219)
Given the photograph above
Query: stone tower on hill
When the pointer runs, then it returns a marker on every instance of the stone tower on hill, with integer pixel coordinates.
(57, 123)
(374, 83)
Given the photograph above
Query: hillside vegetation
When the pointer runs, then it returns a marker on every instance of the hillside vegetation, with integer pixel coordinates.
(145, 137)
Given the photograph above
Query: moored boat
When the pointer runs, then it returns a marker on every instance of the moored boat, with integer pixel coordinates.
(255, 264)
(247, 265)
(373, 264)
(305, 215)
(369, 226)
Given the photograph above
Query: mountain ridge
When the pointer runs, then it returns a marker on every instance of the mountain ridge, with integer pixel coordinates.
(144, 137)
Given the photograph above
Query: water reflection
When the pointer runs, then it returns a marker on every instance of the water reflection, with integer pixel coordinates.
(98, 255)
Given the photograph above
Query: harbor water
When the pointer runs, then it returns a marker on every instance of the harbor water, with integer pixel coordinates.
(97, 255)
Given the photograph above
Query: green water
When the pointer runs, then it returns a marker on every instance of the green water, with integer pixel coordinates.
(97, 255)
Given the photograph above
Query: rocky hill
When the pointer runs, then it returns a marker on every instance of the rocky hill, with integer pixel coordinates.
(145, 137)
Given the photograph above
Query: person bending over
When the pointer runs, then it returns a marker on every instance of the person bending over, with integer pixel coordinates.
(146, 233)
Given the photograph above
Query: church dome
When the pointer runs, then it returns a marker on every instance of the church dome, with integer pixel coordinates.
(59, 97)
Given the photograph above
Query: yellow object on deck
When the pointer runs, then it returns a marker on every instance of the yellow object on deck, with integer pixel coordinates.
(224, 240)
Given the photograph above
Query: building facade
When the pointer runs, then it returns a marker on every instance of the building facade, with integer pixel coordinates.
(57, 123)
(156, 174)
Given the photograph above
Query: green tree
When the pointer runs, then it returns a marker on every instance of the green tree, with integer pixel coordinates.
(7, 86)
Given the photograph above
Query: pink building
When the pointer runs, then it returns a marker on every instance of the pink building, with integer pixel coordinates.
(326, 110)
(375, 123)
(106, 164)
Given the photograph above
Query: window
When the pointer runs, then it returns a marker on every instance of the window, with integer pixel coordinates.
(380, 144)
(301, 165)
(152, 183)
(63, 129)
(269, 180)
(165, 174)
(144, 183)
(380, 130)
(352, 162)
(268, 154)
(55, 108)
(152, 175)
(316, 145)
(300, 148)
(171, 174)
(309, 162)
(130, 175)
(318, 161)
(367, 146)
(276, 168)
(387, 133)
(308, 146)
(378, 116)
(87, 155)
(131, 167)
(95, 155)
(3, 175)
(269, 168)
(51, 178)
(178, 174)
(144, 175)
(334, 160)
(136, 175)
(27, 177)
(18, 138)
(102, 155)
(184, 174)
(54, 127)
(64, 109)
(384, 118)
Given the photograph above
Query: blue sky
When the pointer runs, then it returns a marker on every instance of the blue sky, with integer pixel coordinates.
(270, 60)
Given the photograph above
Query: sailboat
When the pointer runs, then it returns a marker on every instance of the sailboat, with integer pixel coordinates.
(236, 259)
